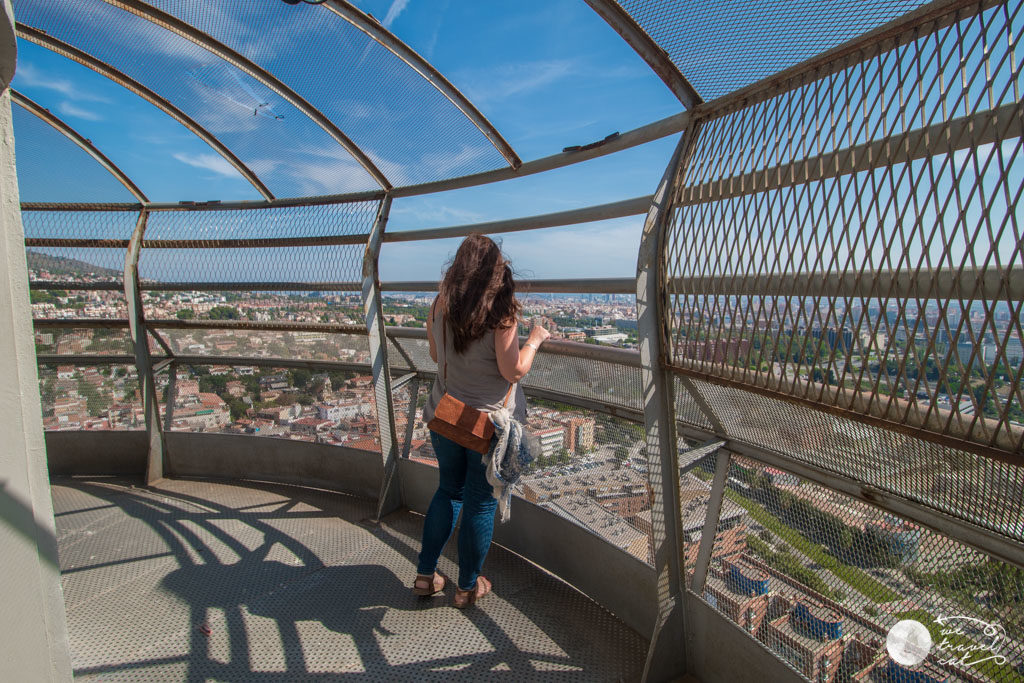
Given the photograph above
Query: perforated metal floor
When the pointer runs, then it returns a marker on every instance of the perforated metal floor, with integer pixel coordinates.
(196, 580)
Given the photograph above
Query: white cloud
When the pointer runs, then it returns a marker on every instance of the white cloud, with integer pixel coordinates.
(31, 76)
(396, 8)
(211, 162)
(69, 109)
(484, 85)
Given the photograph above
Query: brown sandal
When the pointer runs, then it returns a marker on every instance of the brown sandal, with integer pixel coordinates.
(465, 598)
(426, 585)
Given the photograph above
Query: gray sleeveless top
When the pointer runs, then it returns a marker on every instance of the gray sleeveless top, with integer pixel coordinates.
(473, 376)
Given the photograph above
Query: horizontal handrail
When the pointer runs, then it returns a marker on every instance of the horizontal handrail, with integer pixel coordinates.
(80, 323)
(589, 214)
(253, 325)
(656, 130)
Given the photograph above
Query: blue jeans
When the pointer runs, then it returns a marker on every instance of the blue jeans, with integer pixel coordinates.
(463, 486)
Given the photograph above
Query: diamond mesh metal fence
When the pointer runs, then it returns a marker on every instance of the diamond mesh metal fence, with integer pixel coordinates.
(821, 578)
(852, 243)
(723, 45)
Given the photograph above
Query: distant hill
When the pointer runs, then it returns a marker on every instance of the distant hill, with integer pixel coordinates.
(58, 265)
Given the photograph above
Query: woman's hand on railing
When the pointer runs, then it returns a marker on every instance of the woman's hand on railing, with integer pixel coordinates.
(538, 335)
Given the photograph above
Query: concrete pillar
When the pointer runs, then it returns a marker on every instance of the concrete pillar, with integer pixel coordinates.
(33, 628)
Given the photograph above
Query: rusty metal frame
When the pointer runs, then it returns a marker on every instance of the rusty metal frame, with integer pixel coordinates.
(43, 39)
(74, 136)
(648, 49)
(191, 33)
(372, 28)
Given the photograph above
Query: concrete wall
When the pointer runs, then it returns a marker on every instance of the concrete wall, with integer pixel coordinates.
(719, 650)
(237, 456)
(69, 453)
(33, 628)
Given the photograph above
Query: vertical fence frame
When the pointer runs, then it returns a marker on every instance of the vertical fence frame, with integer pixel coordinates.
(665, 657)
(143, 361)
(389, 499)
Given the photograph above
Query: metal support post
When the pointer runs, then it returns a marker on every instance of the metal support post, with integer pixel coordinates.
(410, 419)
(714, 511)
(143, 362)
(172, 396)
(389, 499)
(666, 658)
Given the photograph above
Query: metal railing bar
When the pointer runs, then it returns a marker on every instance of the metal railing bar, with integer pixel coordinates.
(171, 23)
(858, 406)
(255, 325)
(248, 243)
(567, 286)
(372, 28)
(656, 130)
(949, 283)
(264, 362)
(627, 207)
(85, 359)
(80, 140)
(613, 409)
(77, 286)
(76, 242)
(964, 132)
(653, 131)
(153, 286)
(555, 347)
(648, 49)
(43, 39)
(79, 323)
(962, 530)
(900, 31)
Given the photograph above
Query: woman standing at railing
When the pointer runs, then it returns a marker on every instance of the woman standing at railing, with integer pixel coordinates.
(472, 334)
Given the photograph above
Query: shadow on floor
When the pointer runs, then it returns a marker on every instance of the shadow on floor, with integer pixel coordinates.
(297, 585)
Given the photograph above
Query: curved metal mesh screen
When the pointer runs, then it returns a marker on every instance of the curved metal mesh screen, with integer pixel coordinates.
(410, 130)
(723, 45)
(820, 578)
(53, 168)
(853, 242)
(284, 147)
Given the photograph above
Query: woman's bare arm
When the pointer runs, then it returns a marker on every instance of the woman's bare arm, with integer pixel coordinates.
(513, 362)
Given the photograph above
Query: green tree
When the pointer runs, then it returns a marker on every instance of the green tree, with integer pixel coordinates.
(185, 314)
(301, 377)
(224, 313)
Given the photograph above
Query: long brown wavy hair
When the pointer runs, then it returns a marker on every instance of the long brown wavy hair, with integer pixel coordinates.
(478, 293)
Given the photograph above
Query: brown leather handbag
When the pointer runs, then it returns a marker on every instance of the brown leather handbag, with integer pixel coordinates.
(465, 425)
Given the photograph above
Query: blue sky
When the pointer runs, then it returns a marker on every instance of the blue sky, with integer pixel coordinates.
(547, 75)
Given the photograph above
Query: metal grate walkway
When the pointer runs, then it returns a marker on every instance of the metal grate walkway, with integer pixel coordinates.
(194, 580)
